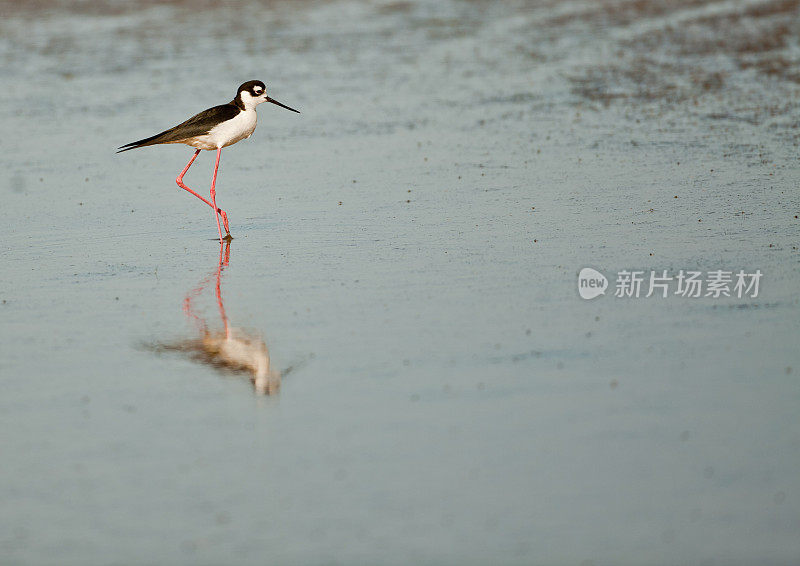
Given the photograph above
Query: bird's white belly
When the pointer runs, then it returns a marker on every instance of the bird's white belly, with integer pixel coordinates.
(227, 133)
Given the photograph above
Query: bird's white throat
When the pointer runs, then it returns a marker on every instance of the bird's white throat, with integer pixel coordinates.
(249, 101)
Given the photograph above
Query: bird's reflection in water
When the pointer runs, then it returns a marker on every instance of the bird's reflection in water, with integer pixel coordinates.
(230, 349)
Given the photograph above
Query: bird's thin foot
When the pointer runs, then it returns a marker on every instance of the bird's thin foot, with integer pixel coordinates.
(224, 221)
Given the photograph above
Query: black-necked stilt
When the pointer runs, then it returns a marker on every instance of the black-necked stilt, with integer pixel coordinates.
(215, 128)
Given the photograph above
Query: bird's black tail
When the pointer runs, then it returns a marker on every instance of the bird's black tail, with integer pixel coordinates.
(152, 140)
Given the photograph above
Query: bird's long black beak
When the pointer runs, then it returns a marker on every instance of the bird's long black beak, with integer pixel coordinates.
(273, 101)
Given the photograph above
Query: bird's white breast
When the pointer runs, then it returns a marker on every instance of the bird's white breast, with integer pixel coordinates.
(229, 132)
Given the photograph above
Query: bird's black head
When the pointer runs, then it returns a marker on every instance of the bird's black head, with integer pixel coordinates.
(254, 88)
(253, 93)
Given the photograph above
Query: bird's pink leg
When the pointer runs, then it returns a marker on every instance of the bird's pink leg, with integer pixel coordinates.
(214, 193)
(179, 180)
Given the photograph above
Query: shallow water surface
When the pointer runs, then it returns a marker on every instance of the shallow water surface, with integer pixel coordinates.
(405, 263)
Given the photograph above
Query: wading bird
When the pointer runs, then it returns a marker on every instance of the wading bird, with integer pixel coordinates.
(215, 128)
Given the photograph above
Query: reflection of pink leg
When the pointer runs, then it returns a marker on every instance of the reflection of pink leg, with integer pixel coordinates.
(188, 309)
(214, 193)
(179, 180)
(222, 265)
(188, 306)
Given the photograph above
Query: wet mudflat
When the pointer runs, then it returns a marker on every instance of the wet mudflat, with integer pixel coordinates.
(405, 259)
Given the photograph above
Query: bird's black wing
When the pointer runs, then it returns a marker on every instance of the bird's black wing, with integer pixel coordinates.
(198, 125)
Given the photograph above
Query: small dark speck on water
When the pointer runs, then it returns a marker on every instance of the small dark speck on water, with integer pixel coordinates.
(340, 203)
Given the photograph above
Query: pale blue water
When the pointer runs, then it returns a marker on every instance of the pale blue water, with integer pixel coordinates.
(409, 245)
